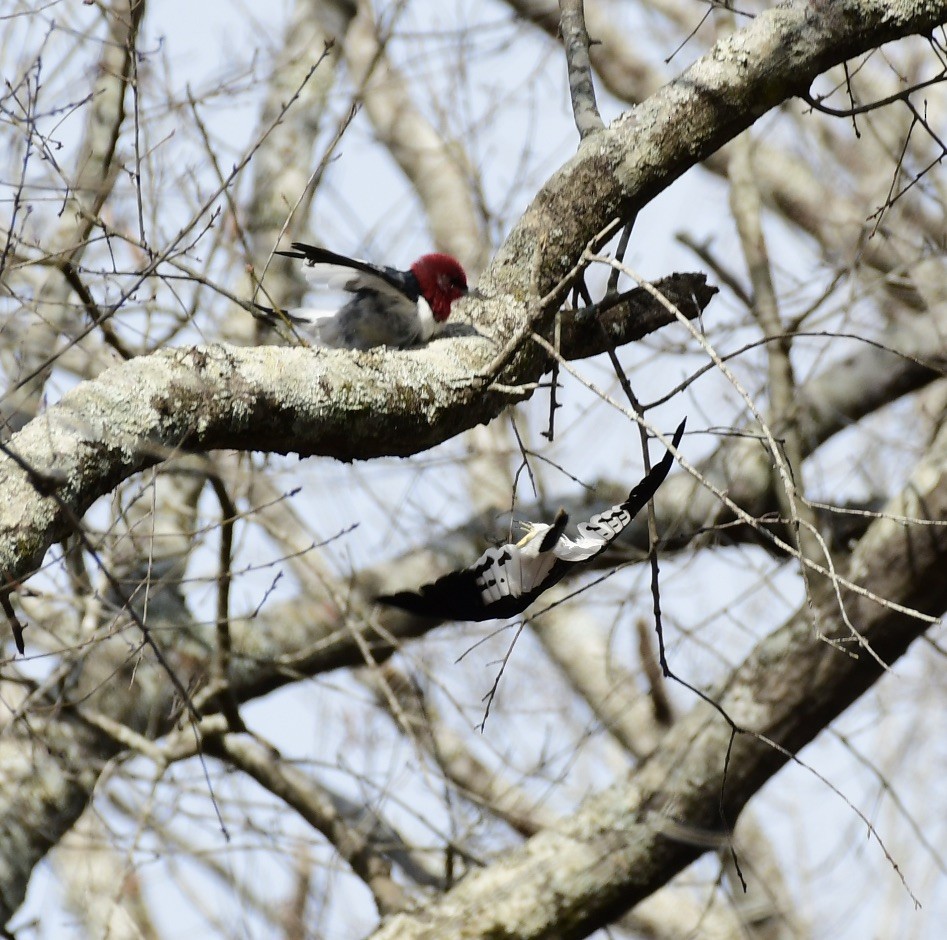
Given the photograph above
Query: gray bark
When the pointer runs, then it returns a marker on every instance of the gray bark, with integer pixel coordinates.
(565, 881)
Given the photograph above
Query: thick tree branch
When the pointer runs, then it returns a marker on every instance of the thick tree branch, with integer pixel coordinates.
(38, 802)
(632, 316)
(668, 913)
(784, 180)
(339, 405)
(723, 93)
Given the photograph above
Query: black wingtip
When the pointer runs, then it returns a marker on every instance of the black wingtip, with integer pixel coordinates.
(649, 485)
(314, 254)
(668, 459)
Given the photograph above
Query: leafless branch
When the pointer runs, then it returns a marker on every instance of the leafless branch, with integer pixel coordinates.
(265, 765)
(576, 40)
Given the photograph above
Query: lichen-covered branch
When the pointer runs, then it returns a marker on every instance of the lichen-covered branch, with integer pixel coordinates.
(397, 403)
(357, 406)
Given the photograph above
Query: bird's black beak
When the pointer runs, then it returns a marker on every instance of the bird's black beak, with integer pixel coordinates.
(474, 293)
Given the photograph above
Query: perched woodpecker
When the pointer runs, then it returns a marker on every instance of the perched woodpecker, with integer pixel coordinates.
(390, 307)
(504, 581)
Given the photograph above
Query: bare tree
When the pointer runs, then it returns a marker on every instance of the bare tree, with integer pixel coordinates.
(213, 722)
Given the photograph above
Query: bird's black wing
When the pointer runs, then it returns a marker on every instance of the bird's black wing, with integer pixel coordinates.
(608, 525)
(375, 276)
(639, 496)
(460, 594)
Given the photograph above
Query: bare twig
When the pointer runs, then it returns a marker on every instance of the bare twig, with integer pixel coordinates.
(815, 101)
(747, 211)
(576, 42)
(228, 703)
(267, 767)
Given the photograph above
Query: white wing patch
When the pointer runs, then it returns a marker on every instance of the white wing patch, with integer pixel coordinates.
(314, 314)
(594, 535)
(605, 525)
(495, 571)
(507, 572)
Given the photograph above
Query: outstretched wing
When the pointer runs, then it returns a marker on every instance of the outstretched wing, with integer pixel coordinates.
(355, 274)
(604, 527)
(503, 581)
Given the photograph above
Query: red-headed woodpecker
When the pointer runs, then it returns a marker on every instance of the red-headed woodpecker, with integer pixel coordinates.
(504, 581)
(390, 307)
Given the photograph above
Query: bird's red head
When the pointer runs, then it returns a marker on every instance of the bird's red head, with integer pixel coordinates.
(442, 280)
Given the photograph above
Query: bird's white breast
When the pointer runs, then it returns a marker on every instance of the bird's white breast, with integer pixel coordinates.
(426, 320)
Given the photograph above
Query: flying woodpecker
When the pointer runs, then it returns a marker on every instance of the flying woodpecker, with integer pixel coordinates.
(504, 581)
(389, 307)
